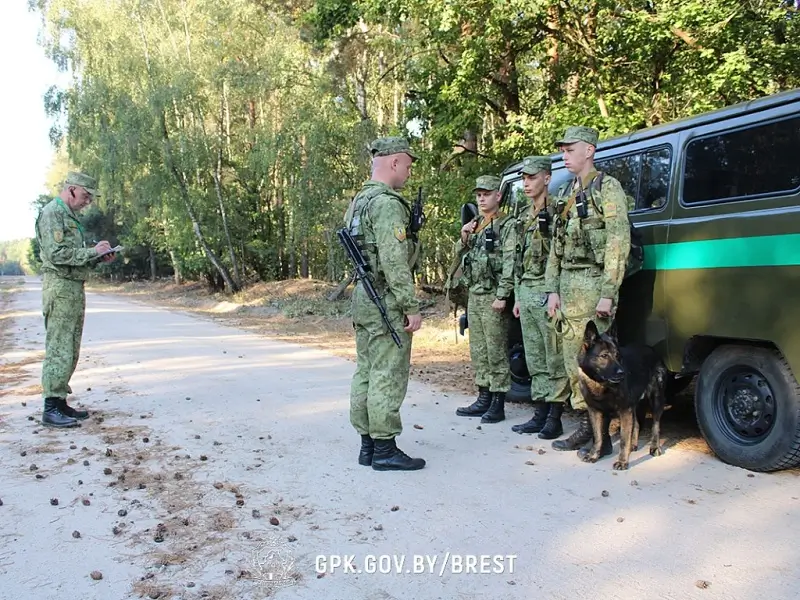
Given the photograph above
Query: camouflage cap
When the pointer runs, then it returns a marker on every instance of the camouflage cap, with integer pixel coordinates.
(386, 146)
(82, 180)
(487, 182)
(531, 165)
(579, 134)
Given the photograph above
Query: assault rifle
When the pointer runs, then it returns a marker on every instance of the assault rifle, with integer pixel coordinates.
(417, 216)
(361, 272)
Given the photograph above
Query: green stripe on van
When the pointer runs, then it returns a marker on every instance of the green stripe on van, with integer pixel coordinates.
(759, 251)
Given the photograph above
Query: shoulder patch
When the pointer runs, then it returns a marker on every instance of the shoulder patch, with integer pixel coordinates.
(58, 236)
(610, 209)
(400, 233)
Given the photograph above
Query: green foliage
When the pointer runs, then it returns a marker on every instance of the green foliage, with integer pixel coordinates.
(230, 135)
(15, 258)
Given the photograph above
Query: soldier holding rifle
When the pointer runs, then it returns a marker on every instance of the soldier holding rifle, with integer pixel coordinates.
(380, 240)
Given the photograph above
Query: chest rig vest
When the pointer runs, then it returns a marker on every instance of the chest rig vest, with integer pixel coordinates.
(358, 221)
(534, 235)
(482, 264)
(580, 240)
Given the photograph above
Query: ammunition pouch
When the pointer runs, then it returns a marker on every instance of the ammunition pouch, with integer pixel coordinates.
(595, 236)
(575, 244)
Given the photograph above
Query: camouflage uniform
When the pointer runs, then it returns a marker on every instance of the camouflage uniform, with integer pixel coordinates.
(542, 350)
(66, 264)
(588, 256)
(378, 218)
(489, 275)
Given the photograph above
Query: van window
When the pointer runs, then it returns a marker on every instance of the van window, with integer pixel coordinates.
(514, 199)
(655, 179)
(644, 177)
(558, 178)
(745, 163)
(627, 170)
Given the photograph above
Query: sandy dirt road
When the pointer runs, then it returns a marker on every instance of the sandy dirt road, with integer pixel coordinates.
(216, 460)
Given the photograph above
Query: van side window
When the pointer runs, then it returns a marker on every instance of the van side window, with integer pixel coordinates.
(514, 199)
(627, 170)
(559, 178)
(745, 163)
(655, 179)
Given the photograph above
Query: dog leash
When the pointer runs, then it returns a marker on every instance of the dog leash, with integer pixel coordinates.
(561, 328)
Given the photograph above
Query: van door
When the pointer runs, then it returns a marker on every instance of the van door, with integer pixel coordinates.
(733, 253)
(645, 172)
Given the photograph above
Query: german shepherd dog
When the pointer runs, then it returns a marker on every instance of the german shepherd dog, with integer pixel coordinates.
(618, 379)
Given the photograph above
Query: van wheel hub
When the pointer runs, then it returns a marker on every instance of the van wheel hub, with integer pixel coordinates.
(745, 405)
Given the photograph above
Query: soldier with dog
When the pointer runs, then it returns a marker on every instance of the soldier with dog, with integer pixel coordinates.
(586, 264)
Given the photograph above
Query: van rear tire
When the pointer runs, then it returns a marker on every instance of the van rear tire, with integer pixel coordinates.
(747, 403)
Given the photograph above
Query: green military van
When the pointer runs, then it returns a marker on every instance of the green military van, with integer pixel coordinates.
(716, 199)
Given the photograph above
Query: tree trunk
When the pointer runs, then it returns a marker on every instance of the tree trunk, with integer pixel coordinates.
(470, 141)
(361, 87)
(218, 188)
(337, 293)
(553, 24)
(180, 179)
(304, 261)
(331, 256)
(283, 266)
(381, 72)
(176, 267)
(153, 268)
(227, 113)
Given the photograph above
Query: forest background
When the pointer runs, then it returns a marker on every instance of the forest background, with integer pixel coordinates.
(229, 135)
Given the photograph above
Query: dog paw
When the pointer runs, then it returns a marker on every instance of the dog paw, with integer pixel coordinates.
(656, 451)
(590, 457)
(620, 466)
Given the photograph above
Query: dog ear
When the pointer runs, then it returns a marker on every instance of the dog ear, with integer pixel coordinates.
(590, 334)
(612, 330)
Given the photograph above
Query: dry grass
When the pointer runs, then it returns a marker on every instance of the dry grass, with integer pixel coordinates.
(28, 390)
(14, 373)
(147, 589)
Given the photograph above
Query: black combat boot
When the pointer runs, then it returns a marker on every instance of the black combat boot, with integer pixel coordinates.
(388, 457)
(496, 412)
(553, 428)
(537, 421)
(53, 417)
(367, 449)
(578, 438)
(71, 412)
(477, 408)
(607, 447)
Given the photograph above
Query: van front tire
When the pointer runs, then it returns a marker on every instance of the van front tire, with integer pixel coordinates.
(748, 408)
